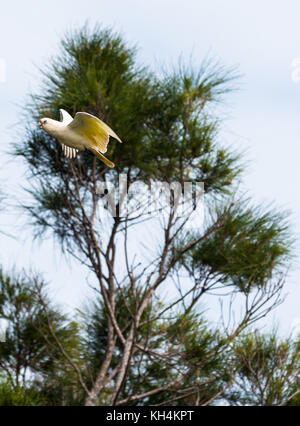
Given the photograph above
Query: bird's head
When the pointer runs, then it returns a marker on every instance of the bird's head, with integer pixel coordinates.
(47, 124)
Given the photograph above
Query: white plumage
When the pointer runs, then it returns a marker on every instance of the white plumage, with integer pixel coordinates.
(85, 131)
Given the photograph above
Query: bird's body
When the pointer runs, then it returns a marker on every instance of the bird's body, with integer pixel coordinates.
(84, 132)
(68, 138)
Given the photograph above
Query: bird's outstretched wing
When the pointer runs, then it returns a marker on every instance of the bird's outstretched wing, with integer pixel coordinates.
(94, 130)
(66, 118)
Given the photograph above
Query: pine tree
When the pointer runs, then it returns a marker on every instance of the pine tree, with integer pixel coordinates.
(140, 347)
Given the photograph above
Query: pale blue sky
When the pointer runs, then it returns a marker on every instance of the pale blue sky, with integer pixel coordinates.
(262, 38)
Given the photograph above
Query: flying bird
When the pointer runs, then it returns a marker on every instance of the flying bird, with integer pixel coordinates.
(85, 131)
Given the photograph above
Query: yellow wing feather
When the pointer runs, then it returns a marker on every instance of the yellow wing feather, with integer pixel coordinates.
(92, 128)
(102, 158)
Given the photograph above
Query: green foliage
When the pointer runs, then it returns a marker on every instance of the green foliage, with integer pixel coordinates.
(195, 360)
(248, 247)
(29, 354)
(193, 348)
(13, 396)
(268, 369)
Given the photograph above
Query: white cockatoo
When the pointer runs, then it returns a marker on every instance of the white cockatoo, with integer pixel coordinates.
(83, 132)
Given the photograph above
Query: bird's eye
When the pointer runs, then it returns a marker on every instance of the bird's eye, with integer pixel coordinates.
(45, 122)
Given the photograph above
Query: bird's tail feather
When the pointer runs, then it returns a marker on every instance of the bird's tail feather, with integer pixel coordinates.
(102, 158)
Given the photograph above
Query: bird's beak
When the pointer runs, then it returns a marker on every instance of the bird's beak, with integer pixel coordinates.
(40, 124)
